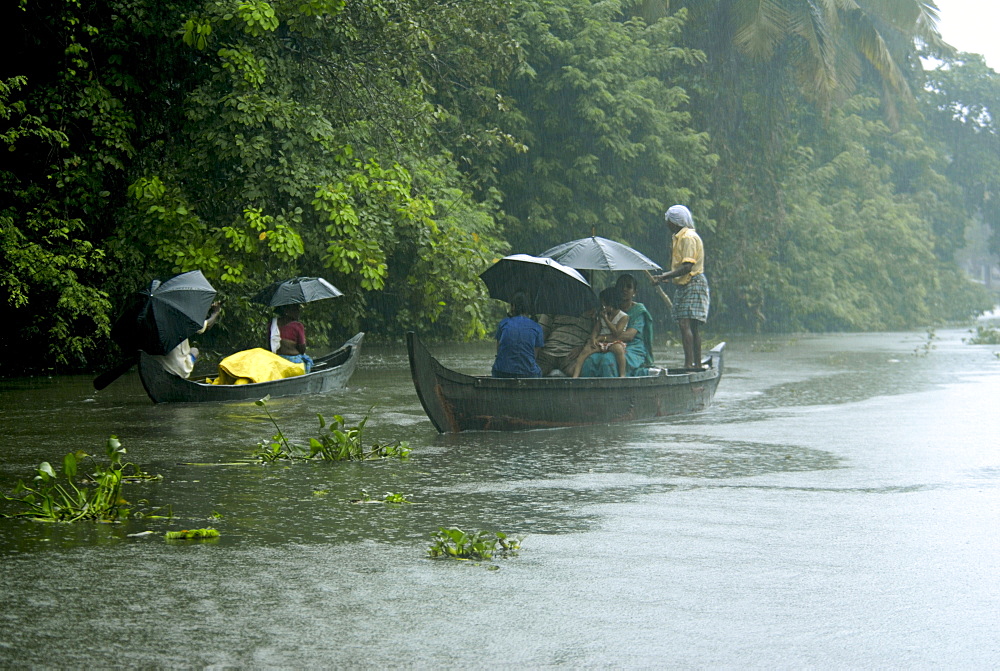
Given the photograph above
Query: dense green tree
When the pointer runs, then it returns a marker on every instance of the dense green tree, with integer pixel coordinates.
(864, 250)
(609, 138)
(774, 71)
(251, 140)
(66, 145)
(826, 43)
(310, 146)
(961, 101)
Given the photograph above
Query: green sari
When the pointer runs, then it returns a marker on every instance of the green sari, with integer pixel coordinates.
(638, 351)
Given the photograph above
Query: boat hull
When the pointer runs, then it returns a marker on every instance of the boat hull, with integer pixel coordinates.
(456, 402)
(329, 372)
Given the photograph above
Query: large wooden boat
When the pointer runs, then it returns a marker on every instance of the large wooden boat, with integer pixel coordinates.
(329, 372)
(456, 402)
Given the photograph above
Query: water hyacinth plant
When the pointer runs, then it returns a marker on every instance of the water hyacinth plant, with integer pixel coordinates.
(72, 495)
(984, 335)
(389, 497)
(454, 543)
(191, 534)
(336, 442)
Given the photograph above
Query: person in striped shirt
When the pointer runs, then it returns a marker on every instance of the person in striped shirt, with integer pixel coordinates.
(565, 336)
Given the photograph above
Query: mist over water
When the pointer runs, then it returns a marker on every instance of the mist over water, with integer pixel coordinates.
(838, 506)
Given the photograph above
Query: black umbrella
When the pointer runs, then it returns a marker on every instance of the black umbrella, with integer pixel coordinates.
(170, 312)
(552, 287)
(596, 253)
(296, 290)
(159, 318)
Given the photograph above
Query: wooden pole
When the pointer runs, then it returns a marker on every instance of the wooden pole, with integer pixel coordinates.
(659, 290)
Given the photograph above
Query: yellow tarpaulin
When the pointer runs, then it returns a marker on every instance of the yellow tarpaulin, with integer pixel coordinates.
(256, 365)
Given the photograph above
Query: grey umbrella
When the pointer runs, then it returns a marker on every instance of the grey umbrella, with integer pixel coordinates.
(296, 290)
(552, 287)
(596, 253)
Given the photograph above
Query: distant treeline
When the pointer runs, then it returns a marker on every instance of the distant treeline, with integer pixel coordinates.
(397, 147)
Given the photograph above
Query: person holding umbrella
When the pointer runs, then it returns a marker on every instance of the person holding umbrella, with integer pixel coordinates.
(286, 335)
(180, 360)
(159, 320)
(687, 271)
(291, 335)
(519, 340)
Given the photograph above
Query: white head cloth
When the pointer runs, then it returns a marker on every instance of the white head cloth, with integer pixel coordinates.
(679, 215)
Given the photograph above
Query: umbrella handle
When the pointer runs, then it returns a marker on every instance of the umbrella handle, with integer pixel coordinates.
(659, 290)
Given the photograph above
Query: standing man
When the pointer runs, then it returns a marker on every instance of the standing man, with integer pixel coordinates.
(687, 270)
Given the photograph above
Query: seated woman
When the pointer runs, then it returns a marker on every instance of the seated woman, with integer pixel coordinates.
(519, 340)
(606, 337)
(638, 338)
(290, 342)
(565, 337)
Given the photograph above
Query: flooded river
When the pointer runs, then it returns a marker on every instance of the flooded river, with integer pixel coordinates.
(837, 507)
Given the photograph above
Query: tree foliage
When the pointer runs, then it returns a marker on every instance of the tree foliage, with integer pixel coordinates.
(609, 140)
(396, 147)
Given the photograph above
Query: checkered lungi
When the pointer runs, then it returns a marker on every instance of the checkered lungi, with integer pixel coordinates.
(691, 300)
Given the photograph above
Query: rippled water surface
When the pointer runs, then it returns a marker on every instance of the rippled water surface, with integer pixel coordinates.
(837, 507)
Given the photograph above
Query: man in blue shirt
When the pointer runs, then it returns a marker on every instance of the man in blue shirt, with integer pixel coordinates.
(519, 340)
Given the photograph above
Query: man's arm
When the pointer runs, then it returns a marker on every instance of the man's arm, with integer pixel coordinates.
(683, 269)
(213, 317)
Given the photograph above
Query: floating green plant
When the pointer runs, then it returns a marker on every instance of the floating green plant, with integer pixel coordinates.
(389, 497)
(454, 543)
(191, 534)
(928, 345)
(985, 335)
(70, 495)
(336, 442)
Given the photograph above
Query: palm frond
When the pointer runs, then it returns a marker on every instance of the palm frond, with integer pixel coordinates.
(814, 23)
(760, 26)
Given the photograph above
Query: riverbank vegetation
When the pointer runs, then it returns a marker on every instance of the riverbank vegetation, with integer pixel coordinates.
(397, 147)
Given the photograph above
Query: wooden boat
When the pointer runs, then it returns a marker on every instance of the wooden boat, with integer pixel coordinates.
(329, 372)
(456, 402)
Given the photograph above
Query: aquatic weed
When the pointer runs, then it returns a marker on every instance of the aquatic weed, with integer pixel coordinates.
(336, 442)
(928, 345)
(985, 335)
(71, 495)
(454, 543)
(389, 497)
(192, 534)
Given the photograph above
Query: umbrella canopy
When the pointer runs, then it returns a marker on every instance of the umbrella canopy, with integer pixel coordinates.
(165, 314)
(596, 253)
(296, 290)
(552, 287)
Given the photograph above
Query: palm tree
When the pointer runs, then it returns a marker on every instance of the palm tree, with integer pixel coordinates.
(828, 42)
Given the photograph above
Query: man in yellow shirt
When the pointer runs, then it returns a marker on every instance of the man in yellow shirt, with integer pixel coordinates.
(687, 271)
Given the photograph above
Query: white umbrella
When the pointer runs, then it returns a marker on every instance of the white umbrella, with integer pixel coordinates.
(596, 253)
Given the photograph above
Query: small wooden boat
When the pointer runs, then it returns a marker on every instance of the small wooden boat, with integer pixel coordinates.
(329, 372)
(456, 402)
